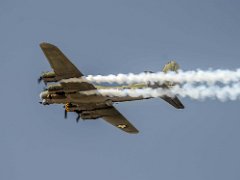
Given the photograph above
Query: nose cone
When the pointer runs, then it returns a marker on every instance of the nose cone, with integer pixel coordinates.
(44, 95)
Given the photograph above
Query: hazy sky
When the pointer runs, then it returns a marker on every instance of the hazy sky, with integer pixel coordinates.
(110, 36)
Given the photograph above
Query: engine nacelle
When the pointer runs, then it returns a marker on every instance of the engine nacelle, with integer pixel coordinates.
(50, 98)
(48, 77)
(55, 88)
(57, 96)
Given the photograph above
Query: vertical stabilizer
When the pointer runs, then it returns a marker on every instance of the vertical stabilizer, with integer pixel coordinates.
(171, 66)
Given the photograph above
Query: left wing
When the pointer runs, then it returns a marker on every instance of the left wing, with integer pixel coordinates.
(60, 64)
(64, 68)
(114, 117)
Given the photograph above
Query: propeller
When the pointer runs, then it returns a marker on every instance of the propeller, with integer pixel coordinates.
(40, 79)
(78, 117)
(65, 114)
(66, 110)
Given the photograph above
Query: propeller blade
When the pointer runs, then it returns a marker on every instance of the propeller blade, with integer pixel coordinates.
(78, 117)
(65, 114)
(40, 79)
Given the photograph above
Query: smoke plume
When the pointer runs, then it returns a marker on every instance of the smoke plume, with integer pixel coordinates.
(199, 85)
(200, 92)
(198, 76)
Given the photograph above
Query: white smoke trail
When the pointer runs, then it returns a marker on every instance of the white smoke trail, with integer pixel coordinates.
(199, 85)
(202, 92)
(198, 76)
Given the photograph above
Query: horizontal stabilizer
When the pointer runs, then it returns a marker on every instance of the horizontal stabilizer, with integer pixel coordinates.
(175, 102)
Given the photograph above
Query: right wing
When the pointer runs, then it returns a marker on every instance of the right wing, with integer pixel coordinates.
(60, 64)
(114, 117)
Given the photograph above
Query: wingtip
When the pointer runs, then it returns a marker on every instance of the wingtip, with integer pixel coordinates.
(46, 45)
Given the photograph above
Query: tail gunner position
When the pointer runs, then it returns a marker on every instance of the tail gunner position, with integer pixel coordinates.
(83, 98)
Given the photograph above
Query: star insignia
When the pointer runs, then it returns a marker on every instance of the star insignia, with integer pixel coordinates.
(122, 126)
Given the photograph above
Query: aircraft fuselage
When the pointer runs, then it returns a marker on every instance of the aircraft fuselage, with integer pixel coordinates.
(84, 97)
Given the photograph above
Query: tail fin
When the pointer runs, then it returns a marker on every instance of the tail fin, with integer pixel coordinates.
(171, 66)
(174, 101)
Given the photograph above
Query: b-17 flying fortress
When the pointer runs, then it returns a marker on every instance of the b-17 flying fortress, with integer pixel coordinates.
(88, 106)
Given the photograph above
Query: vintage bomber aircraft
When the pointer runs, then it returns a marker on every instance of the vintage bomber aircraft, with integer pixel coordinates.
(94, 106)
